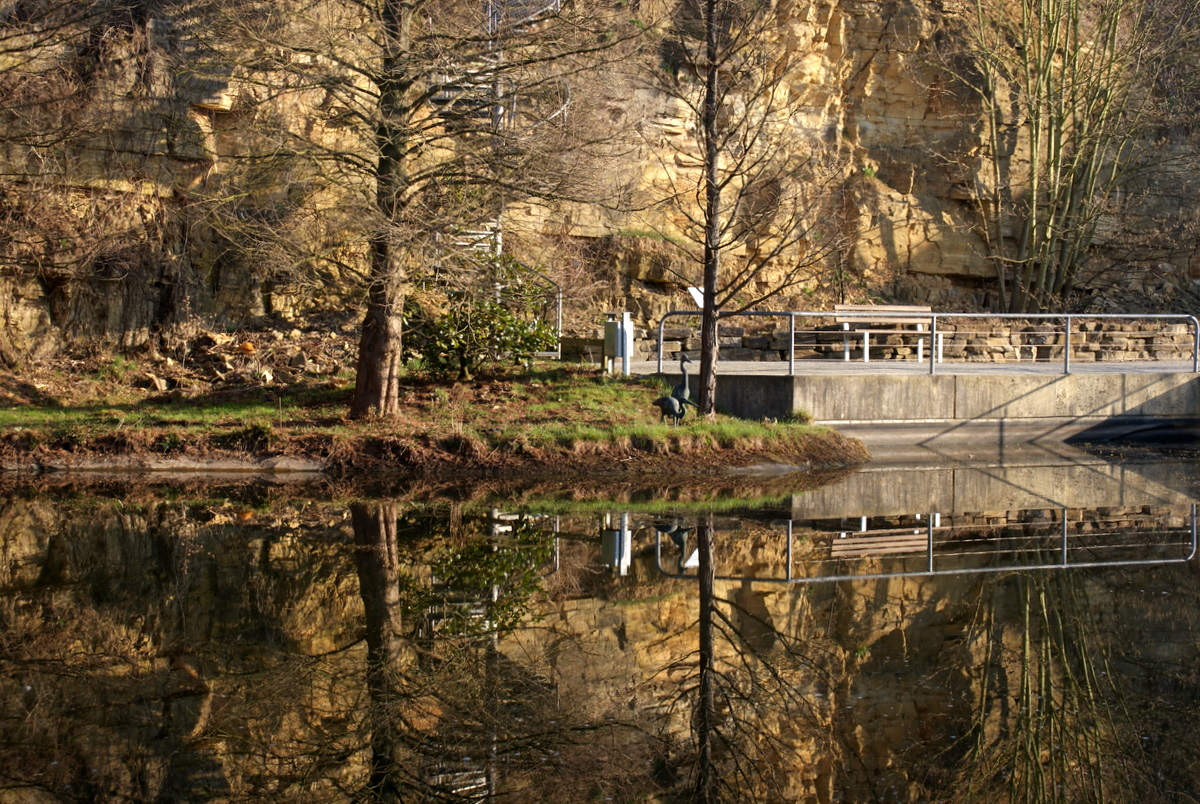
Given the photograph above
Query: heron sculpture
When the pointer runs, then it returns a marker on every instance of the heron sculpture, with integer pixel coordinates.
(669, 406)
(675, 530)
(678, 534)
(682, 391)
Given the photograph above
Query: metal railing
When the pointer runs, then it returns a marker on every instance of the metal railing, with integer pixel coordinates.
(933, 550)
(1057, 343)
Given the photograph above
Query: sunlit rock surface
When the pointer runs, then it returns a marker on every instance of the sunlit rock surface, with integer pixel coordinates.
(870, 90)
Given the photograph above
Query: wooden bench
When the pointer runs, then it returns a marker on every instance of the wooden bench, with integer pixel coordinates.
(866, 320)
(880, 543)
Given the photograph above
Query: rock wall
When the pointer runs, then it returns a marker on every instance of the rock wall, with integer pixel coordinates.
(118, 244)
(874, 96)
(127, 218)
(878, 92)
(961, 340)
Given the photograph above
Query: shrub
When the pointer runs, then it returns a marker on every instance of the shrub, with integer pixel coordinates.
(483, 311)
(169, 443)
(504, 574)
(473, 333)
(252, 437)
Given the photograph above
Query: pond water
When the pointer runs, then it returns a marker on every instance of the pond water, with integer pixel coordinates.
(966, 629)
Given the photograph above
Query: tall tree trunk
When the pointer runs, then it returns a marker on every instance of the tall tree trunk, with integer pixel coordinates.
(376, 389)
(377, 378)
(712, 214)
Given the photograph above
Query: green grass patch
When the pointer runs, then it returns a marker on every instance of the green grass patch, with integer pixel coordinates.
(552, 406)
(721, 432)
(201, 412)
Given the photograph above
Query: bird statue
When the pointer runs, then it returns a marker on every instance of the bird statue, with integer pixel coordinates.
(675, 530)
(681, 391)
(679, 536)
(669, 406)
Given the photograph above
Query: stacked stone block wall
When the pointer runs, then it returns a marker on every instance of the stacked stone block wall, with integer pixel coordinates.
(963, 340)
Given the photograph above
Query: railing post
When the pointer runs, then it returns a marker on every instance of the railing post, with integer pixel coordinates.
(788, 574)
(1195, 344)
(1194, 534)
(929, 542)
(791, 344)
(1067, 348)
(662, 321)
(1064, 537)
(558, 318)
(933, 339)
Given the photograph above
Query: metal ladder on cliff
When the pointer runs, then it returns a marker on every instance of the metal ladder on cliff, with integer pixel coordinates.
(473, 96)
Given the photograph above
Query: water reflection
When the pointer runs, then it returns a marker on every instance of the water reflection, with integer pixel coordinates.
(242, 644)
(874, 548)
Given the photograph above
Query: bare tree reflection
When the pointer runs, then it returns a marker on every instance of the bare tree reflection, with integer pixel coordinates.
(1052, 719)
(706, 703)
(388, 653)
(451, 716)
(755, 721)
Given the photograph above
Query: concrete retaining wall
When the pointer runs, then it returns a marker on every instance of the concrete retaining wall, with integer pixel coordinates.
(895, 409)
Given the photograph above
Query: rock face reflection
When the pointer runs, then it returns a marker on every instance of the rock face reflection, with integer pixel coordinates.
(228, 649)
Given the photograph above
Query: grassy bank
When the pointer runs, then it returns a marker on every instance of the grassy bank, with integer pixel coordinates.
(553, 418)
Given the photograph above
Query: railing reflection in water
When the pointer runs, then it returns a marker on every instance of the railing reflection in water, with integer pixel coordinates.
(934, 544)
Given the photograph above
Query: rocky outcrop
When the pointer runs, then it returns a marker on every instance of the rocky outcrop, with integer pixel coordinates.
(117, 242)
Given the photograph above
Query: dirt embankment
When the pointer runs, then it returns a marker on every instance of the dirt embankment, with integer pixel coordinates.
(265, 404)
(452, 459)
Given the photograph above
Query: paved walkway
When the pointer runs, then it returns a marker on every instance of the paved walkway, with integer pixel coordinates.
(911, 367)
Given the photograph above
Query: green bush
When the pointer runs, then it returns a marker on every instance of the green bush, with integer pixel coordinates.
(474, 333)
(476, 311)
(504, 574)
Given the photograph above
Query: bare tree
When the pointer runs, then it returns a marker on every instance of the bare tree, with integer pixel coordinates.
(1075, 96)
(762, 203)
(430, 119)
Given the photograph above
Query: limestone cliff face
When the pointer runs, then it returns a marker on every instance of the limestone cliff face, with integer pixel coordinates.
(126, 217)
(116, 243)
(878, 97)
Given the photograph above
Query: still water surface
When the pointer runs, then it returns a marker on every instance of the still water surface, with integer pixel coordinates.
(974, 630)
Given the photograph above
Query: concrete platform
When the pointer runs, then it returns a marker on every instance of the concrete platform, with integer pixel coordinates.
(899, 403)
